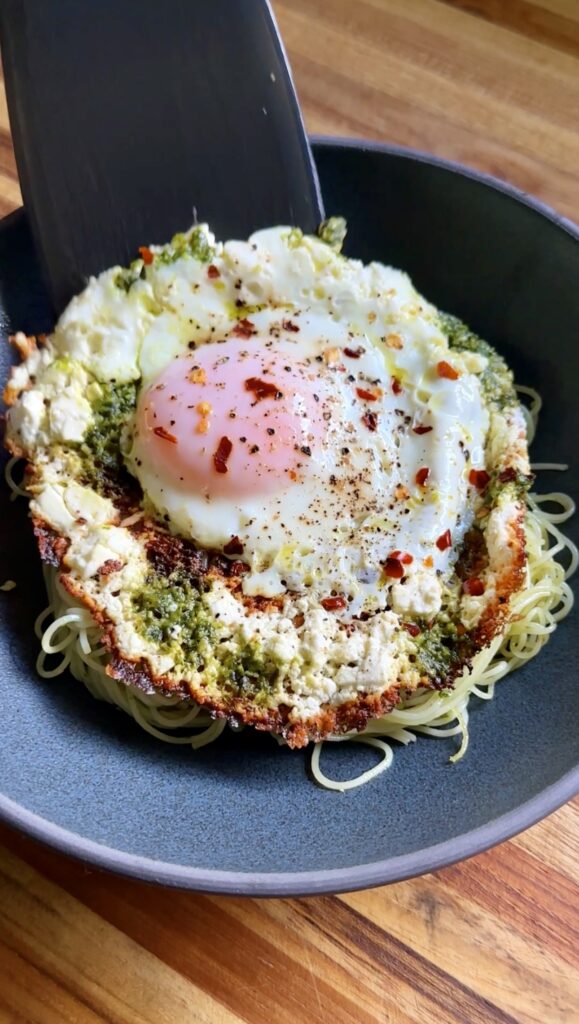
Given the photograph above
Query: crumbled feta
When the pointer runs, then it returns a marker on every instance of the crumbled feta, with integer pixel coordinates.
(420, 594)
(69, 417)
(90, 548)
(27, 419)
(103, 326)
(267, 584)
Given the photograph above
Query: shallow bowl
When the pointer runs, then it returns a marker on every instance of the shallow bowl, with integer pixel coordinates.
(242, 816)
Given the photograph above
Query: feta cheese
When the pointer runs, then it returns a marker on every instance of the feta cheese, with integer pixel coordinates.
(420, 594)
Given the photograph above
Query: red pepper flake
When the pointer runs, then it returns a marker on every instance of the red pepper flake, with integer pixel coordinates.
(233, 547)
(393, 568)
(370, 420)
(508, 475)
(367, 396)
(111, 565)
(422, 476)
(396, 386)
(411, 628)
(288, 325)
(444, 541)
(421, 429)
(222, 454)
(444, 369)
(354, 353)
(479, 478)
(474, 587)
(403, 556)
(161, 432)
(238, 568)
(334, 604)
(244, 328)
(213, 271)
(262, 388)
(146, 255)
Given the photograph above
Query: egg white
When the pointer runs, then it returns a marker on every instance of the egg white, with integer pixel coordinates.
(333, 531)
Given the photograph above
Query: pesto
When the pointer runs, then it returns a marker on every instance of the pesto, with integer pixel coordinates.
(333, 232)
(249, 674)
(517, 482)
(438, 651)
(496, 380)
(101, 449)
(126, 277)
(195, 244)
(169, 611)
(295, 238)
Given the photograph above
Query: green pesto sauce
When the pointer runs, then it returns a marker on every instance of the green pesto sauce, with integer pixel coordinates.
(518, 488)
(181, 245)
(294, 238)
(438, 651)
(124, 279)
(169, 612)
(100, 450)
(496, 380)
(249, 674)
(498, 387)
(333, 232)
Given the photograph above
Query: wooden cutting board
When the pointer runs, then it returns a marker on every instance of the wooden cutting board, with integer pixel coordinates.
(491, 941)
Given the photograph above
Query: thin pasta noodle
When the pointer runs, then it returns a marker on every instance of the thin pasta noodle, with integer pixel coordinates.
(530, 412)
(16, 489)
(324, 780)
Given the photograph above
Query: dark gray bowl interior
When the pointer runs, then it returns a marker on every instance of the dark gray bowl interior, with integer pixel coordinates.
(242, 815)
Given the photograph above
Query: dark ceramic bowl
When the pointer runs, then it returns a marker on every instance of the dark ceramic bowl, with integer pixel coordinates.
(241, 816)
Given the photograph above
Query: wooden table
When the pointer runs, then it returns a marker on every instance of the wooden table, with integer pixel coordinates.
(494, 940)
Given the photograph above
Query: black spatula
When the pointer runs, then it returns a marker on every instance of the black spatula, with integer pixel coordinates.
(130, 117)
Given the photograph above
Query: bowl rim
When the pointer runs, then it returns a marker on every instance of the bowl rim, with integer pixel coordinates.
(423, 157)
(333, 880)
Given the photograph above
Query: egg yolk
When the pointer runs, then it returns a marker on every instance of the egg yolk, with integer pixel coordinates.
(233, 419)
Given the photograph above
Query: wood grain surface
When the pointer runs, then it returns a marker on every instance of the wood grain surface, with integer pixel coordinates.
(495, 940)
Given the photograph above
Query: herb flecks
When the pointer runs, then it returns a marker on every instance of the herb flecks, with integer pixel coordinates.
(170, 613)
(333, 232)
(441, 652)
(496, 379)
(249, 674)
(101, 448)
(194, 243)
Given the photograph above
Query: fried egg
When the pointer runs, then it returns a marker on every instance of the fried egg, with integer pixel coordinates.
(336, 451)
(272, 472)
